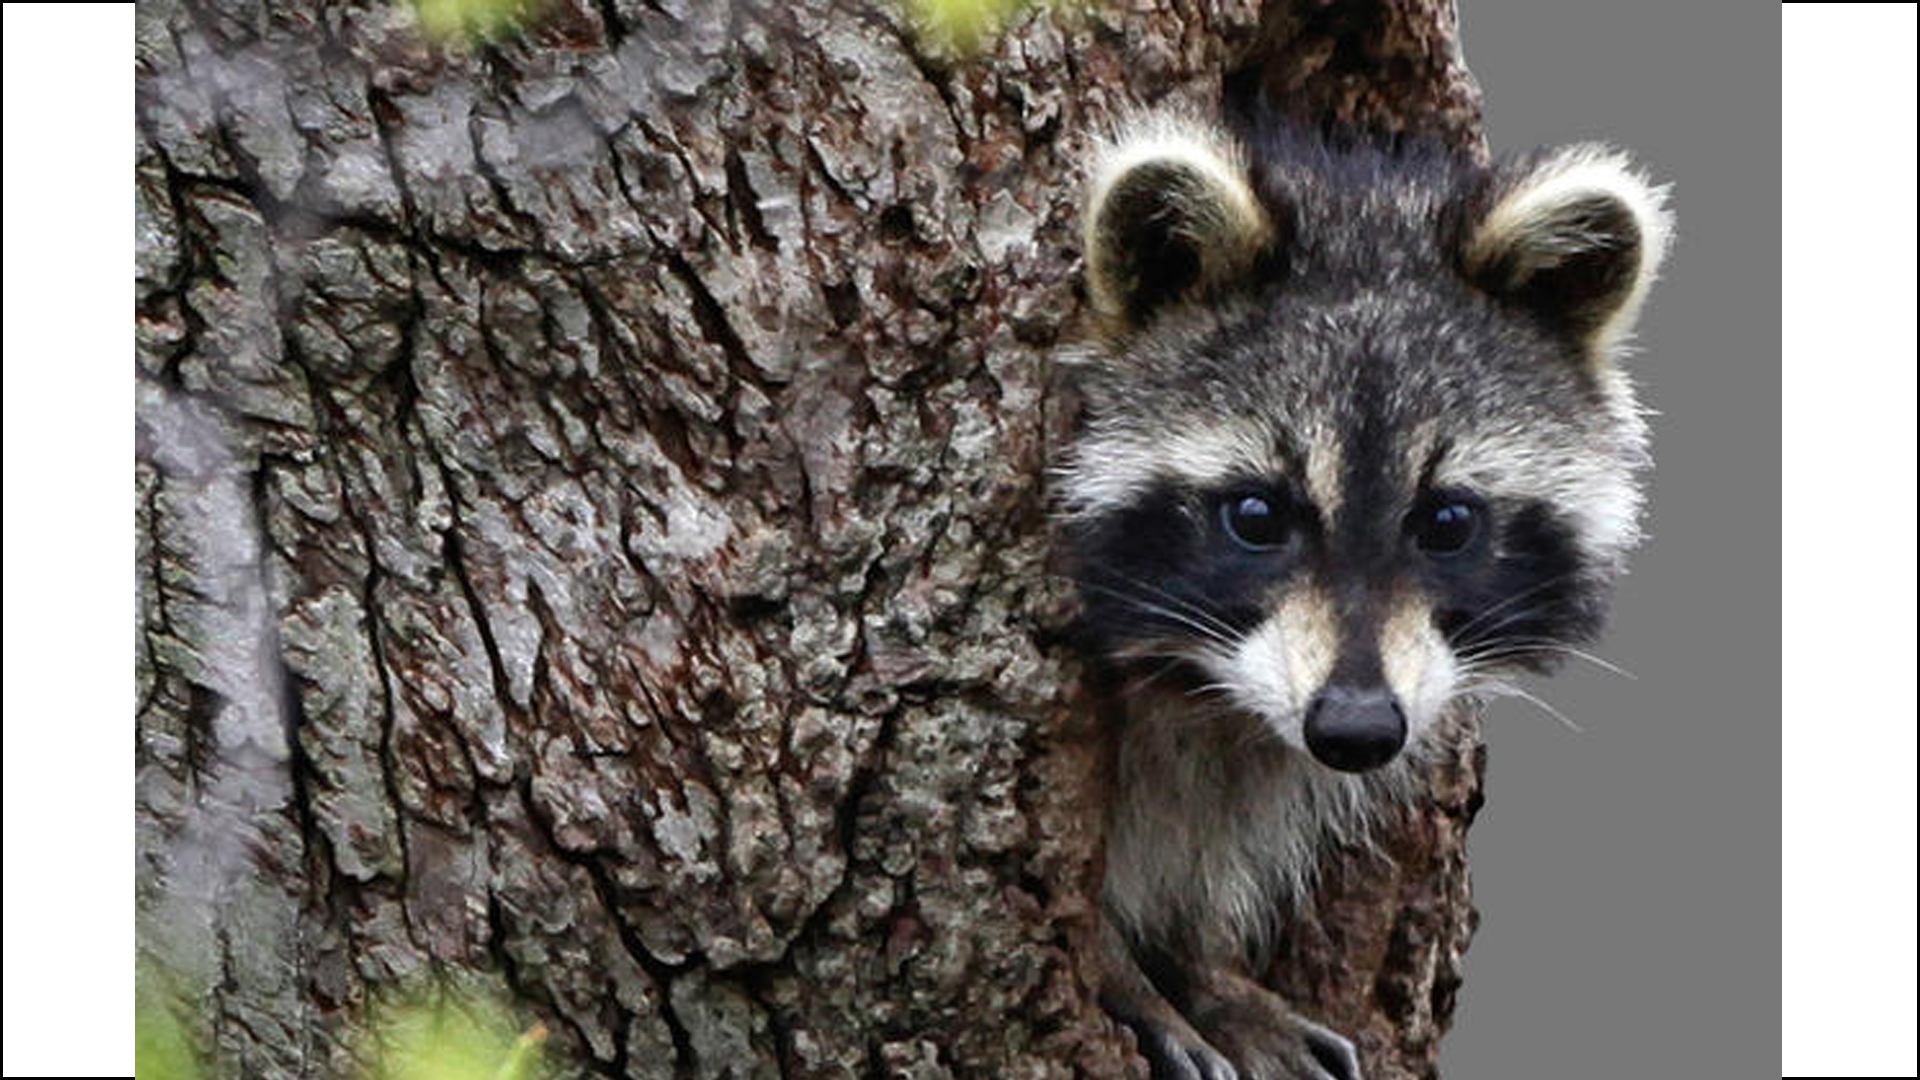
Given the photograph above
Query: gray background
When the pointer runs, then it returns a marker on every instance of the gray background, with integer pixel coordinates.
(1628, 875)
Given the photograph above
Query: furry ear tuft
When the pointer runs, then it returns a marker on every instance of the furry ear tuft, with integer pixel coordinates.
(1171, 213)
(1577, 239)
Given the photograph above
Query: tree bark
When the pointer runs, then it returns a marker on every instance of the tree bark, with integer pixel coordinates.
(593, 539)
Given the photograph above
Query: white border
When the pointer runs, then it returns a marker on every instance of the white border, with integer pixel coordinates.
(68, 539)
(1847, 511)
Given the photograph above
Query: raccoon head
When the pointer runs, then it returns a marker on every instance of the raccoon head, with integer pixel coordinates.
(1357, 439)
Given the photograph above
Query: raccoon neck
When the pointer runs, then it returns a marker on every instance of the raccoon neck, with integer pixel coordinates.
(1217, 829)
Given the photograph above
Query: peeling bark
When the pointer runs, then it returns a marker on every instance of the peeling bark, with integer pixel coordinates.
(593, 540)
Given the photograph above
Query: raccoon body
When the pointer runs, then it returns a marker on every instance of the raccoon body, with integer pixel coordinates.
(1357, 443)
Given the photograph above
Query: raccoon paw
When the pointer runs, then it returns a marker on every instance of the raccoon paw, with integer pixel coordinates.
(1320, 1051)
(1296, 1049)
(1266, 1039)
(1175, 1056)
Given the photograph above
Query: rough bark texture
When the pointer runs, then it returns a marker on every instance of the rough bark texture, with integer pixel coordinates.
(1389, 65)
(592, 531)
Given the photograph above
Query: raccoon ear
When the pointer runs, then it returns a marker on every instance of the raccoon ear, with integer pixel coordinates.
(1577, 239)
(1171, 213)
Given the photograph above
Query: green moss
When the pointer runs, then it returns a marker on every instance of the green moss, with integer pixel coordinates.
(472, 22)
(453, 1037)
(161, 1049)
(965, 26)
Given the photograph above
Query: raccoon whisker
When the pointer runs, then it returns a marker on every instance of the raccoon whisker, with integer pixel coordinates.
(1501, 645)
(1598, 661)
(1509, 690)
(1205, 631)
(1214, 689)
(1490, 634)
(1497, 658)
(1523, 594)
(1502, 648)
(1191, 606)
(1135, 686)
(1497, 655)
(1493, 647)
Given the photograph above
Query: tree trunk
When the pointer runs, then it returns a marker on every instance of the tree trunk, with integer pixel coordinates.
(593, 530)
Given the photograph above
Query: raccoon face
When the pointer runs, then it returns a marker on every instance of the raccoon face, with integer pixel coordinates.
(1357, 442)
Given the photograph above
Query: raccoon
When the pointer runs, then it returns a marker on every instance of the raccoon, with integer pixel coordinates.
(1357, 445)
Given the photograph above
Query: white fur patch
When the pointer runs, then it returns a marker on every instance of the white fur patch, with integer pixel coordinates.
(1528, 218)
(1418, 664)
(1109, 467)
(1279, 667)
(1283, 663)
(1325, 466)
(1596, 490)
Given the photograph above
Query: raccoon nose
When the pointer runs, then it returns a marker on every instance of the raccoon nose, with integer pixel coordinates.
(1354, 730)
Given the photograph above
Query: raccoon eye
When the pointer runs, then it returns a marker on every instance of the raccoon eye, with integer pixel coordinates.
(1255, 522)
(1445, 526)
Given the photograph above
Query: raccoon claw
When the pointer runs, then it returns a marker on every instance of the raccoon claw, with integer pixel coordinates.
(1332, 1051)
(1171, 1058)
(1266, 1040)
(1306, 1051)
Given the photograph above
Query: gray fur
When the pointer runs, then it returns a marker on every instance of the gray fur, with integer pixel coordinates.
(1216, 829)
(1392, 336)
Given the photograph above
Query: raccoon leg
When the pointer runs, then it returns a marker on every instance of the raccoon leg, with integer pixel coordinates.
(1173, 1049)
(1263, 1036)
